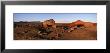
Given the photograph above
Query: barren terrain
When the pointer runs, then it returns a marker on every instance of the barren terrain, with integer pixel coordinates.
(35, 31)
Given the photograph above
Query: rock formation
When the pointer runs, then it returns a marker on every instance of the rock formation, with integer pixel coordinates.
(76, 23)
(49, 23)
(80, 23)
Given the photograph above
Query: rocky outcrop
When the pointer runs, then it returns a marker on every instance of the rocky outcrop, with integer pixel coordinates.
(49, 23)
(81, 23)
(76, 23)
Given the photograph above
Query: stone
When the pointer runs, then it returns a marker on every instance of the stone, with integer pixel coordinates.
(49, 23)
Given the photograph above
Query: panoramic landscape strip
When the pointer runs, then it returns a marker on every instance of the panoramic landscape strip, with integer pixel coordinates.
(55, 26)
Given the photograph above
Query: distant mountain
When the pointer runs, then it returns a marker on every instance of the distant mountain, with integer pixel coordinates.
(28, 21)
(80, 22)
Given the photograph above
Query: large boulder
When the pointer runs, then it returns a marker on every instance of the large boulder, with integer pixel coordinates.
(49, 23)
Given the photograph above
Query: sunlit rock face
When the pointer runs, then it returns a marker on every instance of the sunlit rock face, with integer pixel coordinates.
(81, 23)
(49, 23)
